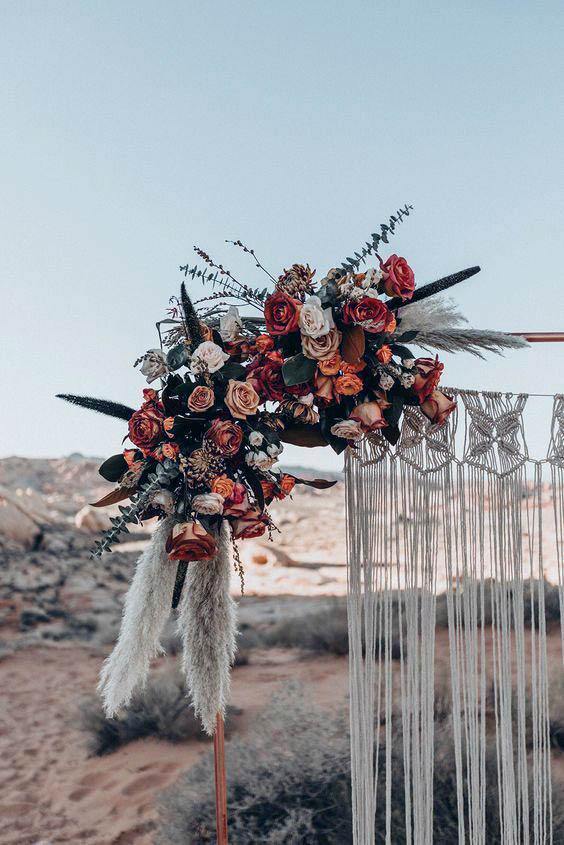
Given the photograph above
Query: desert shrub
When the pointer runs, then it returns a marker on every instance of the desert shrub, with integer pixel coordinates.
(161, 710)
(530, 605)
(323, 630)
(289, 782)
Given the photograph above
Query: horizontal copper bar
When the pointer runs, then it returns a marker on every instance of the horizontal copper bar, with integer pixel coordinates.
(541, 337)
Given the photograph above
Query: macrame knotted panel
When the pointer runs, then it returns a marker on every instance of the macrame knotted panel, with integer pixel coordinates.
(460, 510)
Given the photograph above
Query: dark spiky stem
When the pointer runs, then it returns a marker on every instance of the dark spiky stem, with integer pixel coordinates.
(434, 287)
(102, 406)
(191, 320)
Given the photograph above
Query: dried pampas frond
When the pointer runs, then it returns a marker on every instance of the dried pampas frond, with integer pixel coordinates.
(102, 406)
(207, 625)
(430, 315)
(474, 341)
(146, 609)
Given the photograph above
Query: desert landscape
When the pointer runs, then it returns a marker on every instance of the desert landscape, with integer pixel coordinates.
(70, 775)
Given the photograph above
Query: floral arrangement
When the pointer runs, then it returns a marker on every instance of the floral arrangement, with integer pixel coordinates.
(323, 362)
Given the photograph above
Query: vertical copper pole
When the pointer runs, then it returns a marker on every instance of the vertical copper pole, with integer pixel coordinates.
(220, 781)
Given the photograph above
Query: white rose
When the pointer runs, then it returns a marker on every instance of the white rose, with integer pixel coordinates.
(154, 364)
(347, 429)
(386, 382)
(274, 450)
(407, 379)
(373, 276)
(255, 438)
(208, 356)
(372, 292)
(260, 460)
(208, 503)
(164, 499)
(408, 363)
(230, 324)
(307, 399)
(315, 321)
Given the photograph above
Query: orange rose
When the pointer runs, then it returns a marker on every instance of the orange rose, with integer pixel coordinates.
(238, 350)
(170, 450)
(384, 354)
(226, 435)
(427, 376)
(190, 541)
(223, 485)
(331, 366)
(369, 415)
(267, 490)
(168, 425)
(437, 407)
(287, 484)
(241, 398)
(201, 399)
(251, 524)
(264, 343)
(348, 384)
(391, 323)
(324, 388)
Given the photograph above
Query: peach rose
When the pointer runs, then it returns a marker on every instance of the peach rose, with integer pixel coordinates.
(331, 366)
(437, 407)
(251, 524)
(201, 399)
(369, 415)
(384, 354)
(168, 425)
(223, 485)
(348, 385)
(322, 348)
(427, 376)
(226, 435)
(353, 368)
(347, 430)
(242, 399)
(190, 541)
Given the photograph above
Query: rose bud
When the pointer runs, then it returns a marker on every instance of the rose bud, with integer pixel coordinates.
(369, 415)
(251, 524)
(190, 541)
(438, 407)
(427, 376)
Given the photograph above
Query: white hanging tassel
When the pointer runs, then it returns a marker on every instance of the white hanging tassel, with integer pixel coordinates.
(145, 612)
(207, 625)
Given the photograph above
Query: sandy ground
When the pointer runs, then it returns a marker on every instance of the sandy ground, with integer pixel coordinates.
(53, 792)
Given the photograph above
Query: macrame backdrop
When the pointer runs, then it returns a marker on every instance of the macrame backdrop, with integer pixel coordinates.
(461, 512)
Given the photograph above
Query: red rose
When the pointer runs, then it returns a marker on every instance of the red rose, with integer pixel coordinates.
(267, 378)
(398, 277)
(190, 541)
(263, 343)
(251, 524)
(238, 502)
(427, 376)
(281, 313)
(371, 312)
(437, 407)
(146, 426)
(226, 435)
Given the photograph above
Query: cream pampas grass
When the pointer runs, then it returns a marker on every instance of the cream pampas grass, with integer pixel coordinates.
(207, 625)
(146, 610)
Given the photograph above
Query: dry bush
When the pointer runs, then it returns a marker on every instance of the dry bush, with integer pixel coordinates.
(160, 710)
(289, 782)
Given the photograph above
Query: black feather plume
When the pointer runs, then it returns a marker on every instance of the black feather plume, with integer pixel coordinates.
(434, 287)
(102, 406)
(191, 320)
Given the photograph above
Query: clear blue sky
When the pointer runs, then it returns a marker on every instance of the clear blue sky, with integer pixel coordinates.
(131, 131)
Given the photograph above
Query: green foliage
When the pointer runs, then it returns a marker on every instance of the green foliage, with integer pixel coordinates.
(351, 265)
